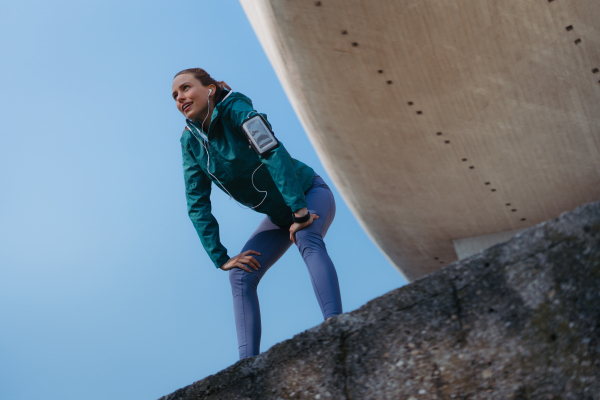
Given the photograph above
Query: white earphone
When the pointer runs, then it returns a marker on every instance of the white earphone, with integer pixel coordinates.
(208, 110)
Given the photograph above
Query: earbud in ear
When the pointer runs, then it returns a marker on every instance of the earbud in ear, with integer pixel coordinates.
(209, 91)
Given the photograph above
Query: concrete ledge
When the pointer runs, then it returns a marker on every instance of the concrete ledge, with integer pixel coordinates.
(520, 320)
(439, 120)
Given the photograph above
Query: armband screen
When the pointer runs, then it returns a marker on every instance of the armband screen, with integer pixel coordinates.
(259, 134)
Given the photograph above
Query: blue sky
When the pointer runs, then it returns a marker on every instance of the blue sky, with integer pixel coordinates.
(105, 290)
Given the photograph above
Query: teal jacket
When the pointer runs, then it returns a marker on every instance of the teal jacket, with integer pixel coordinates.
(233, 162)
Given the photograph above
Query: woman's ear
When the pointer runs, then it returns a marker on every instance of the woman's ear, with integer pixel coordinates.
(213, 90)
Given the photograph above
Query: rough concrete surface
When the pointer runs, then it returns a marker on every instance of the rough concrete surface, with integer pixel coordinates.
(520, 320)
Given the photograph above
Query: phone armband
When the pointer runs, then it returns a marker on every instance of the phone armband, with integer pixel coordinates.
(259, 135)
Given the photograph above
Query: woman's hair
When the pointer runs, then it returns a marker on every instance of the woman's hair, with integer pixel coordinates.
(205, 79)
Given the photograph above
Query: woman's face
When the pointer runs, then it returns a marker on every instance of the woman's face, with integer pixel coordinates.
(191, 96)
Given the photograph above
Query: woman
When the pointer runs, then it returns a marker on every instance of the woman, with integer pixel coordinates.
(298, 204)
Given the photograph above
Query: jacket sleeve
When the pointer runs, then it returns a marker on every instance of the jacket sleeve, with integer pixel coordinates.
(278, 161)
(197, 193)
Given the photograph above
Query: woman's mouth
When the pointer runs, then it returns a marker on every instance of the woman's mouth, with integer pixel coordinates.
(186, 106)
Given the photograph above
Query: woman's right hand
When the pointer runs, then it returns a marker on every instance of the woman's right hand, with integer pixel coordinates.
(241, 259)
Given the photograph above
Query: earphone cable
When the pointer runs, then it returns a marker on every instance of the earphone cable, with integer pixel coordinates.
(217, 180)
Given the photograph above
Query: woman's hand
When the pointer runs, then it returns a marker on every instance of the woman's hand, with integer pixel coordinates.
(241, 259)
(296, 227)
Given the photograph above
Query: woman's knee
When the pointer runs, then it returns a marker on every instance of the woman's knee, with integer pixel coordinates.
(234, 276)
(307, 235)
(308, 241)
(240, 279)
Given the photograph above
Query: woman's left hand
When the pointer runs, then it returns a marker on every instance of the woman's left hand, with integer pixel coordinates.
(296, 227)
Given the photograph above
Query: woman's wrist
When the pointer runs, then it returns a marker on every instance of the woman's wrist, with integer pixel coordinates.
(301, 212)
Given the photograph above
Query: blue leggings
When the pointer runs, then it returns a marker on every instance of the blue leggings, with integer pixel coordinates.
(272, 241)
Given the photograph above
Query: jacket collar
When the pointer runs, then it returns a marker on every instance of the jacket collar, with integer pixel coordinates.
(215, 115)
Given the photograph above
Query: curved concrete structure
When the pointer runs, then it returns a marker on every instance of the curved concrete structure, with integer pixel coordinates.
(441, 121)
